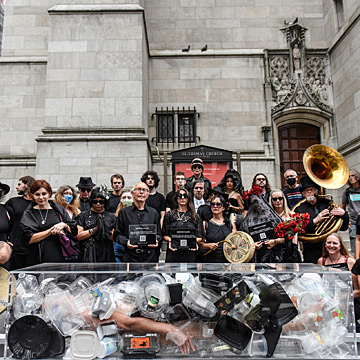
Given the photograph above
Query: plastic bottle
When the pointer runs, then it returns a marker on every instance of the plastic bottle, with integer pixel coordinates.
(27, 283)
(107, 346)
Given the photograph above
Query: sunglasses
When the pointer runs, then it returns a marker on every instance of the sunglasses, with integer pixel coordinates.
(198, 188)
(260, 179)
(182, 196)
(216, 204)
(277, 199)
(102, 202)
(197, 167)
(85, 190)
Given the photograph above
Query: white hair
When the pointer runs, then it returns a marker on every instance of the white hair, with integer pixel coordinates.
(290, 170)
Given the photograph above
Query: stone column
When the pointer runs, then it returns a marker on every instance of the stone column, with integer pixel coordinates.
(96, 97)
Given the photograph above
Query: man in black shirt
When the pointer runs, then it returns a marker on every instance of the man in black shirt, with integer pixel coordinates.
(155, 199)
(85, 186)
(16, 207)
(179, 181)
(138, 213)
(197, 167)
(318, 209)
(117, 183)
(293, 191)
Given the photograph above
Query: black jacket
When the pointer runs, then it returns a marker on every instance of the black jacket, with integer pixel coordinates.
(314, 210)
(30, 226)
(191, 180)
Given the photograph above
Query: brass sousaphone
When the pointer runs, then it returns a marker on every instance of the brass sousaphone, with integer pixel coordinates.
(328, 169)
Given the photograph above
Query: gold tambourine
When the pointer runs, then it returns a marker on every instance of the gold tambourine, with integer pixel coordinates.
(239, 247)
(4, 288)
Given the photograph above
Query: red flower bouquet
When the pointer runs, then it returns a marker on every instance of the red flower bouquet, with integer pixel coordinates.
(296, 224)
(255, 190)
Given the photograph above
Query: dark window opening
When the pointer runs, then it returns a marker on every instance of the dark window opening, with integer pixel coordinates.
(175, 126)
(165, 128)
(186, 128)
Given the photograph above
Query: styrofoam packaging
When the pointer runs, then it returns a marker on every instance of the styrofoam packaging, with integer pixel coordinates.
(84, 344)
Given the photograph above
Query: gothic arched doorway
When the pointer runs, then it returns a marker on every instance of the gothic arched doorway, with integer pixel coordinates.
(294, 139)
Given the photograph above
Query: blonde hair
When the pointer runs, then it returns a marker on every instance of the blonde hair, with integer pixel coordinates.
(59, 199)
(120, 206)
(286, 208)
(343, 251)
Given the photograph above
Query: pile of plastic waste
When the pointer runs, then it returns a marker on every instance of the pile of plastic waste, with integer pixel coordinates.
(226, 315)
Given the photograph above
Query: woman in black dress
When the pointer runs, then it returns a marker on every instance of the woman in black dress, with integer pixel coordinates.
(96, 228)
(216, 231)
(183, 217)
(42, 223)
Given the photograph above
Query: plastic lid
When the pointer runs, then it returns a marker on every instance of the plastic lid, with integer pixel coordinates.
(84, 344)
(29, 337)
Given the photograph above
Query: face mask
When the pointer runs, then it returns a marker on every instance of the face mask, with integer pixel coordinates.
(126, 202)
(291, 181)
(68, 198)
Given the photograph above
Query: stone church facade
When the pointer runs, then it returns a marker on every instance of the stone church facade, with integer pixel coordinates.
(90, 88)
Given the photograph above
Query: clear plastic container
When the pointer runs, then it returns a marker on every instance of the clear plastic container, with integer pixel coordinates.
(199, 300)
(63, 313)
(27, 283)
(153, 298)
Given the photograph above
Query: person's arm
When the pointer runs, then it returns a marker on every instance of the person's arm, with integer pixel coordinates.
(162, 214)
(119, 230)
(320, 261)
(56, 229)
(239, 208)
(143, 325)
(272, 242)
(233, 226)
(356, 285)
(37, 237)
(85, 234)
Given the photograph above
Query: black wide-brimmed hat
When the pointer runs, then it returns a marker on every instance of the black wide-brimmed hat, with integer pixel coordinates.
(85, 182)
(306, 181)
(217, 190)
(5, 188)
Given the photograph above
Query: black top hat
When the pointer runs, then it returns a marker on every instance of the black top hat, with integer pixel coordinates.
(197, 161)
(5, 188)
(85, 182)
(306, 181)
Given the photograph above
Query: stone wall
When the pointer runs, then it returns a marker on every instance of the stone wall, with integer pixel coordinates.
(228, 24)
(226, 91)
(26, 25)
(22, 99)
(345, 68)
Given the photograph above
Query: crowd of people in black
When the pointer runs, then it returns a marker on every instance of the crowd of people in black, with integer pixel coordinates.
(130, 225)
